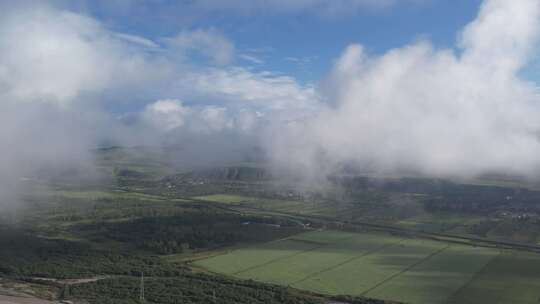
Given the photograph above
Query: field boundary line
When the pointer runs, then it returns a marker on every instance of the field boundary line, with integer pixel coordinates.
(225, 251)
(384, 281)
(288, 256)
(309, 276)
(451, 298)
(315, 243)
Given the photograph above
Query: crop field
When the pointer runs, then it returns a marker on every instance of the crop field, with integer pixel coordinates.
(96, 195)
(439, 222)
(511, 277)
(387, 267)
(227, 198)
(274, 204)
(290, 206)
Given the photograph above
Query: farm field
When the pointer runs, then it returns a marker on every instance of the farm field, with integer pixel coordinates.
(228, 198)
(96, 195)
(253, 201)
(511, 277)
(387, 267)
(289, 206)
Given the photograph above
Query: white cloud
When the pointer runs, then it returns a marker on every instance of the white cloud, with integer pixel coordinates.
(55, 56)
(57, 67)
(251, 59)
(428, 110)
(248, 121)
(166, 114)
(54, 67)
(43, 43)
(254, 89)
(138, 40)
(171, 116)
(503, 35)
(441, 112)
(214, 119)
(211, 43)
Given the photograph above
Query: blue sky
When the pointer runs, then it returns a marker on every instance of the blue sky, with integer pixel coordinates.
(299, 42)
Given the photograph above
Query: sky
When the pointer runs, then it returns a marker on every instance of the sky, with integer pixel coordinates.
(301, 40)
(431, 87)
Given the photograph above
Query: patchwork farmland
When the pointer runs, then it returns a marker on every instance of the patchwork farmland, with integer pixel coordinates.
(387, 267)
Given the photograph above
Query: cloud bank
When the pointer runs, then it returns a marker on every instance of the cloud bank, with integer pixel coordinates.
(438, 112)
(55, 66)
(60, 70)
(453, 112)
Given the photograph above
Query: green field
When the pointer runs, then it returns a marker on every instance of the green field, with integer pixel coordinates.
(387, 267)
(226, 198)
(96, 195)
(511, 277)
(288, 206)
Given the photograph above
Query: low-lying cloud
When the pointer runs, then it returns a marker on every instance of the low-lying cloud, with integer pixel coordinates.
(443, 112)
(438, 112)
(55, 66)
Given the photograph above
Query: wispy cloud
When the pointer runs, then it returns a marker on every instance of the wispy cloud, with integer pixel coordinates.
(251, 58)
(305, 60)
(210, 42)
(141, 41)
(255, 89)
